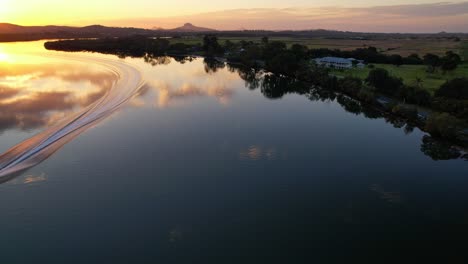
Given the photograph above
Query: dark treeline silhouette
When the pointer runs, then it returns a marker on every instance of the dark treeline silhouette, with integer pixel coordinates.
(135, 46)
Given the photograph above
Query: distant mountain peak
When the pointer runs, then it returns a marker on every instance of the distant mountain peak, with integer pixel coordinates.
(189, 27)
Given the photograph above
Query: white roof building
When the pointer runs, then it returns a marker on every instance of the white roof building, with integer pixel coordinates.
(339, 63)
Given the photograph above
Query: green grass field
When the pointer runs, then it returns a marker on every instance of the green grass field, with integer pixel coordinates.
(402, 47)
(464, 50)
(409, 74)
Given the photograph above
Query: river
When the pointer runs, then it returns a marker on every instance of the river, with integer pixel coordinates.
(186, 160)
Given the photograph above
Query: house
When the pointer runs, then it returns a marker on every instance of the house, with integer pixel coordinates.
(339, 63)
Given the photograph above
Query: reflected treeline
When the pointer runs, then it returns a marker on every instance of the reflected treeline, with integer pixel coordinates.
(276, 86)
(213, 65)
(165, 60)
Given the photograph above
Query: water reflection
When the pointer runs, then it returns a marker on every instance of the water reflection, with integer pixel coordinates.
(390, 197)
(256, 152)
(191, 81)
(36, 93)
(275, 87)
(34, 96)
(35, 178)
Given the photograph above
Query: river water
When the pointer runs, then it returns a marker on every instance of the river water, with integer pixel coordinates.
(187, 160)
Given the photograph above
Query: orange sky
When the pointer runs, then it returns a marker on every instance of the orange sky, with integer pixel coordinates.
(356, 15)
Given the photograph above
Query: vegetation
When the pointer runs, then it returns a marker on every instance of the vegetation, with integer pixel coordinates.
(445, 125)
(137, 46)
(447, 63)
(290, 64)
(412, 75)
(211, 46)
(386, 44)
(383, 81)
(454, 89)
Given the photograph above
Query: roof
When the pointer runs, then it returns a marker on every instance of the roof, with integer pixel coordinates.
(334, 60)
(337, 60)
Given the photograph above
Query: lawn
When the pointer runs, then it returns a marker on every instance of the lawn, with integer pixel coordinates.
(464, 50)
(409, 74)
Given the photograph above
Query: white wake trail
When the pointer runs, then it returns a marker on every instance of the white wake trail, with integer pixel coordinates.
(39, 147)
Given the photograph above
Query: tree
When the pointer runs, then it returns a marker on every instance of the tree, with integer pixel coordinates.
(418, 81)
(455, 89)
(421, 97)
(178, 48)
(405, 111)
(229, 45)
(438, 150)
(350, 85)
(413, 59)
(450, 61)
(284, 63)
(250, 55)
(444, 125)
(265, 40)
(396, 60)
(300, 51)
(366, 94)
(273, 48)
(383, 82)
(211, 45)
(158, 46)
(432, 61)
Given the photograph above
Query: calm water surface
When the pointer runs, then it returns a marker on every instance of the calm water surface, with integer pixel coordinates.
(211, 164)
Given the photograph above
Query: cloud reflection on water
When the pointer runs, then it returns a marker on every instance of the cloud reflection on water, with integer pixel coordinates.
(169, 84)
(37, 95)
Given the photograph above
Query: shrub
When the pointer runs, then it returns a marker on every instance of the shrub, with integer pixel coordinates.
(383, 81)
(444, 125)
(350, 85)
(405, 111)
(455, 89)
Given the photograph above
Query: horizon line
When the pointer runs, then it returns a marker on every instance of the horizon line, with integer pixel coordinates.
(156, 28)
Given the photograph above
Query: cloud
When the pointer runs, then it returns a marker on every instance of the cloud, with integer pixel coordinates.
(422, 10)
(434, 17)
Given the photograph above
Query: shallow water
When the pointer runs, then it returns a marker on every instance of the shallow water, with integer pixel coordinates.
(209, 164)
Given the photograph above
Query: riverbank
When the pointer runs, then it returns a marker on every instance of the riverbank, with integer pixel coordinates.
(447, 118)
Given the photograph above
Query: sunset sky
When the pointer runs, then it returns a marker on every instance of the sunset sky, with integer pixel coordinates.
(353, 15)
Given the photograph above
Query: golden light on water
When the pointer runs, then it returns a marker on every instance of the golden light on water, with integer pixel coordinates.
(3, 57)
(37, 90)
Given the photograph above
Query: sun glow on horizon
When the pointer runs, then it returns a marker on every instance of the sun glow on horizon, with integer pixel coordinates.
(4, 57)
(352, 15)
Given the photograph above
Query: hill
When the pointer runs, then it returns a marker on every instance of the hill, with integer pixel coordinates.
(188, 27)
(11, 32)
